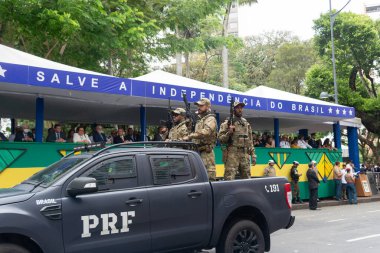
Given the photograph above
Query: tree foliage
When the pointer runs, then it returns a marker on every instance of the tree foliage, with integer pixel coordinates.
(357, 44)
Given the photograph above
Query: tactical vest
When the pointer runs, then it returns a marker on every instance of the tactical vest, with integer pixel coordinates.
(174, 133)
(207, 140)
(240, 137)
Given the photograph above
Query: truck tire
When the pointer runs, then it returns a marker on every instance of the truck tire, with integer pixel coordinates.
(243, 236)
(12, 248)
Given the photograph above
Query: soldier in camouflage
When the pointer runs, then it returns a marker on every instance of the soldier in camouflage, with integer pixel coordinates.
(238, 145)
(180, 128)
(205, 136)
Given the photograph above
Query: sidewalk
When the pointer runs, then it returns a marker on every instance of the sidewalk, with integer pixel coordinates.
(333, 202)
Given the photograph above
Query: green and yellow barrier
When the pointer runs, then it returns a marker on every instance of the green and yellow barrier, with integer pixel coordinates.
(18, 161)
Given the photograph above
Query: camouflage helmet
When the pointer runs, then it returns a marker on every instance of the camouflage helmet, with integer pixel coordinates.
(203, 101)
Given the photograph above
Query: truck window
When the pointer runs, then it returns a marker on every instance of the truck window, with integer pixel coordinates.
(170, 169)
(115, 174)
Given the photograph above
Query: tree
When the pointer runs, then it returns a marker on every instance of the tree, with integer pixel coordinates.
(292, 60)
(112, 36)
(254, 62)
(357, 53)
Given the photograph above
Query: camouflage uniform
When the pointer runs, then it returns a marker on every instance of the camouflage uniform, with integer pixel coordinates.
(239, 148)
(270, 171)
(294, 175)
(179, 130)
(205, 136)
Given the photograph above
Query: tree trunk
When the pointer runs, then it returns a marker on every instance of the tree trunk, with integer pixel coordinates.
(110, 66)
(352, 80)
(187, 65)
(178, 56)
(225, 50)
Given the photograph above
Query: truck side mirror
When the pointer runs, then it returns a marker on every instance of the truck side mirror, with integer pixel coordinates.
(82, 185)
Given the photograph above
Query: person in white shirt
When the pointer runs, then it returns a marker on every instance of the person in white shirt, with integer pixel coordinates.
(302, 143)
(80, 136)
(284, 143)
(344, 183)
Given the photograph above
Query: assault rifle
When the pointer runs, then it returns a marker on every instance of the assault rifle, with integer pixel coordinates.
(190, 115)
(169, 121)
(231, 119)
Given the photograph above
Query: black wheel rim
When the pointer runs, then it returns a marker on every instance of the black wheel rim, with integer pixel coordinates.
(246, 242)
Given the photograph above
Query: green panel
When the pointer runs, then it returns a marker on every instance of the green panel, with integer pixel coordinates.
(37, 154)
(8, 156)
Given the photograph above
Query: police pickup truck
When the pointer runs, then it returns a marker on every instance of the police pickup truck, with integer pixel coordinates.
(140, 198)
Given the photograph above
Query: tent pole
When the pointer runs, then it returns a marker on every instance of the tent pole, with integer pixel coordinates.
(353, 146)
(276, 124)
(39, 119)
(337, 136)
(142, 122)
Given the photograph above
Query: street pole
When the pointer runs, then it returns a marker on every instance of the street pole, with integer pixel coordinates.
(332, 20)
(337, 135)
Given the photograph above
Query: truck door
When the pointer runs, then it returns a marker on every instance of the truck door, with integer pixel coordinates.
(114, 219)
(179, 204)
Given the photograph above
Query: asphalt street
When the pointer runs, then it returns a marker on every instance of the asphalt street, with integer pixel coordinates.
(335, 229)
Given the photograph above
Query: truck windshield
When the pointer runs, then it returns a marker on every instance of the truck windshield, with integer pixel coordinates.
(54, 171)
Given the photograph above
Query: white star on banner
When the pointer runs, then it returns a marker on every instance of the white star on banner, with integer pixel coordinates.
(344, 111)
(330, 110)
(337, 110)
(2, 71)
(350, 112)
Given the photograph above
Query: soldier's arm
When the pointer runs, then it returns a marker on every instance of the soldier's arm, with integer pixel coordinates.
(210, 126)
(251, 148)
(224, 134)
(183, 132)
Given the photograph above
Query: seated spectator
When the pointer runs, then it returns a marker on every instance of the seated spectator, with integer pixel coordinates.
(80, 136)
(70, 136)
(269, 142)
(327, 144)
(98, 135)
(284, 143)
(57, 135)
(263, 139)
(120, 137)
(130, 135)
(313, 142)
(162, 134)
(302, 143)
(256, 142)
(24, 134)
(294, 144)
(2, 137)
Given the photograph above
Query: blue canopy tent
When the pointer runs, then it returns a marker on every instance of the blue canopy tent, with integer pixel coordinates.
(30, 85)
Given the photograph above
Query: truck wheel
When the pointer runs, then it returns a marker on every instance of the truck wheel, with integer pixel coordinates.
(242, 237)
(12, 248)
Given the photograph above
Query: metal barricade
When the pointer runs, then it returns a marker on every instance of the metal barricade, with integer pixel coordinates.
(376, 179)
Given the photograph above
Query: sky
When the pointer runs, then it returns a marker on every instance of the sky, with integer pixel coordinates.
(290, 15)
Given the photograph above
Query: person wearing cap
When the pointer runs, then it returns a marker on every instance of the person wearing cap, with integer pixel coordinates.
(295, 176)
(238, 145)
(270, 171)
(204, 136)
(337, 181)
(313, 180)
(180, 129)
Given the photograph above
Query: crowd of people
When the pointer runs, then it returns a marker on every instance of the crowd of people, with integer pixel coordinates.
(267, 141)
(78, 135)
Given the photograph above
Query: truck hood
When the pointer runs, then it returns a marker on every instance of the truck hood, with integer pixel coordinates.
(11, 195)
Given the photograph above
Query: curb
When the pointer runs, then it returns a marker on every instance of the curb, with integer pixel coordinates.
(332, 202)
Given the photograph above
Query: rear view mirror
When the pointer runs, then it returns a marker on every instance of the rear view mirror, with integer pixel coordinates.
(82, 185)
